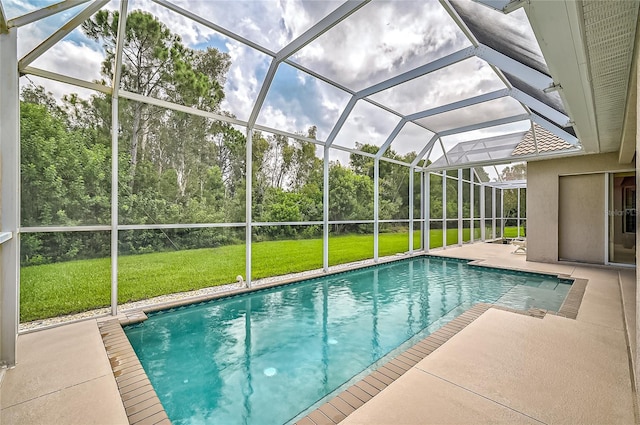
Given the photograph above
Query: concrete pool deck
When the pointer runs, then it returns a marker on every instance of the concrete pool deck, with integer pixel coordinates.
(501, 368)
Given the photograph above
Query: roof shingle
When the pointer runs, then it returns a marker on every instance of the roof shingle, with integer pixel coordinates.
(547, 142)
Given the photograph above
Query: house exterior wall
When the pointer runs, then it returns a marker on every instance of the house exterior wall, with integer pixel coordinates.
(543, 207)
(635, 328)
(578, 210)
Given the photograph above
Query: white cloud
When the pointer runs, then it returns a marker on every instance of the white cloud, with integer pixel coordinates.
(275, 118)
(14, 8)
(381, 40)
(366, 124)
(243, 82)
(411, 138)
(441, 87)
(71, 59)
(487, 111)
(188, 30)
(74, 56)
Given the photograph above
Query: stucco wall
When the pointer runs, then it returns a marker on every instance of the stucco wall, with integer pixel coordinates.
(543, 204)
(579, 209)
(636, 328)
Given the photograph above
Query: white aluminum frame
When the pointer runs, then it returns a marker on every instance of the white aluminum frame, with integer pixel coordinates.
(11, 67)
(460, 212)
(10, 195)
(45, 12)
(411, 222)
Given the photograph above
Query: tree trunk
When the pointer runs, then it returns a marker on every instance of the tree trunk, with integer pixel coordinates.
(134, 141)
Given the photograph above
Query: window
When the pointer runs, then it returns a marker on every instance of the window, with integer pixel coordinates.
(629, 203)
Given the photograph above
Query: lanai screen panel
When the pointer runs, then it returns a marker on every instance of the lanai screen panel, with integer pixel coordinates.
(488, 134)
(366, 124)
(382, 40)
(297, 101)
(65, 161)
(436, 152)
(475, 114)
(551, 99)
(511, 35)
(484, 133)
(31, 35)
(77, 55)
(247, 67)
(441, 87)
(15, 8)
(412, 138)
(270, 24)
(496, 149)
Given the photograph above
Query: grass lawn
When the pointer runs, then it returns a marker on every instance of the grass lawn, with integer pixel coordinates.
(55, 289)
(512, 232)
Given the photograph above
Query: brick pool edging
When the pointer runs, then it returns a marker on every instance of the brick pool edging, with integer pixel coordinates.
(141, 403)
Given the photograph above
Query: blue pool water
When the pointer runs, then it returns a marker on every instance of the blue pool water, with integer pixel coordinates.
(266, 357)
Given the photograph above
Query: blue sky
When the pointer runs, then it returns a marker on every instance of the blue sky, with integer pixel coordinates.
(381, 40)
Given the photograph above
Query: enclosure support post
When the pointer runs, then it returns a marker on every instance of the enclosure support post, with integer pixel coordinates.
(518, 224)
(422, 202)
(483, 224)
(426, 203)
(10, 141)
(115, 125)
(460, 200)
(493, 213)
(249, 201)
(502, 213)
(325, 212)
(411, 171)
(607, 217)
(376, 206)
(472, 206)
(444, 209)
(114, 205)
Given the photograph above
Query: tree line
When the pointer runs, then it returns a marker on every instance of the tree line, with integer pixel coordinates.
(175, 167)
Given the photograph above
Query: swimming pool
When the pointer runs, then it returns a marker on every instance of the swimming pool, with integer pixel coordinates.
(267, 356)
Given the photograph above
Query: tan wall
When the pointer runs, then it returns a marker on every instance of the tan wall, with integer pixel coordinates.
(580, 209)
(636, 329)
(543, 206)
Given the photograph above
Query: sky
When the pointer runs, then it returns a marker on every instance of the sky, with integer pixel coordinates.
(381, 40)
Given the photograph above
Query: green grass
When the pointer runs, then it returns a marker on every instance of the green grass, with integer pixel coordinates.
(61, 288)
(512, 232)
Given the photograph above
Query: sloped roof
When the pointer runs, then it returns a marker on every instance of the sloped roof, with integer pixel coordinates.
(547, 142)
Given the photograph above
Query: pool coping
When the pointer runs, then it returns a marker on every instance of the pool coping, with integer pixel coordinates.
(141, 403)
(143, 407)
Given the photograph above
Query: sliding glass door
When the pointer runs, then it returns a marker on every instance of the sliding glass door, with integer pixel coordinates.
(622, 218)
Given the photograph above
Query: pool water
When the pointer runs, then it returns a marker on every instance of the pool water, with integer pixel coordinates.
(267, 356)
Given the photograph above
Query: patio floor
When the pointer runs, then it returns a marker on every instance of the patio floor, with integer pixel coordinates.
(501, 368)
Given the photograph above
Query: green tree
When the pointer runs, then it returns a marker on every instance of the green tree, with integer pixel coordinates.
(350, 196)
(65, 173)
(155, 63)
(514, 172)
